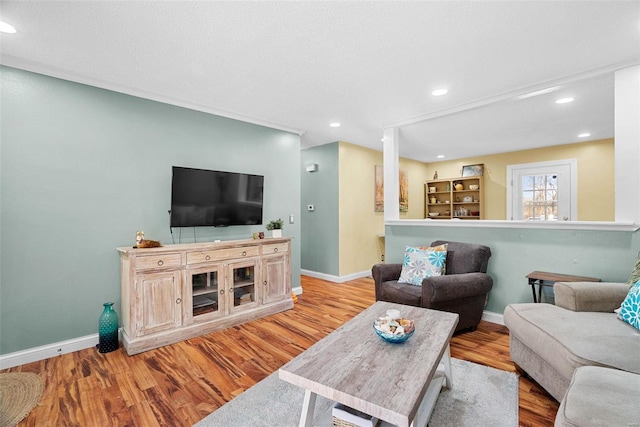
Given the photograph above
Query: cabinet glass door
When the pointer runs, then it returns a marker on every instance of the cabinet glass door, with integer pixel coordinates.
(204, 288)
(243, 285)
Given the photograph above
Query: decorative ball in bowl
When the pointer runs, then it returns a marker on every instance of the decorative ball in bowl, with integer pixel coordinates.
(434, 213)
(394, 330)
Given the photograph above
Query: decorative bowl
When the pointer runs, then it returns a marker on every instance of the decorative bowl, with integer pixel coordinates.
(390, 336)
(434, 213)
(474, 187)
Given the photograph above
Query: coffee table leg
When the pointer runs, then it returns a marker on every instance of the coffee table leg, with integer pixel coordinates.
(306, 418)
(446, 361)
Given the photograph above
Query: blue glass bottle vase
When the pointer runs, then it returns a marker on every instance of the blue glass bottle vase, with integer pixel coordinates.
(108, 329)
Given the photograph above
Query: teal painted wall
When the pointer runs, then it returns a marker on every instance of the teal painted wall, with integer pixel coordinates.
(320, 228)
(609, 255)
(82, 169)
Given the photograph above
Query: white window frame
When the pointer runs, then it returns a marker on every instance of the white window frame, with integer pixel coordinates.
(573, 186)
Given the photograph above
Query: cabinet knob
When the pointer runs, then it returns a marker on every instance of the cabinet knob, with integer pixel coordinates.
(207, 258)
(565, 218)
(221, 291)
(179, 300)
(265, 283)
(160, 262)
(230, 289)
(244, 253)
(275, 250)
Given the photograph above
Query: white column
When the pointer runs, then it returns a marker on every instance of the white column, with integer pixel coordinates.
(391, 174)
(627, 144)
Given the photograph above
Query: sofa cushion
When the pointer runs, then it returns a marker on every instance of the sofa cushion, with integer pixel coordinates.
(630, 308)
(422, 262)
(600, 397)
(401, 293)
(568, 339)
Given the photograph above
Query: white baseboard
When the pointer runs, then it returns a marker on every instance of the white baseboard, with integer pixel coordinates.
(493, 317)
(336, 279)
(297, 290)
(46, 351)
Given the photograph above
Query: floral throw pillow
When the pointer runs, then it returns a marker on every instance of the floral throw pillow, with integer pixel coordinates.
(422, 262)
(630, 308)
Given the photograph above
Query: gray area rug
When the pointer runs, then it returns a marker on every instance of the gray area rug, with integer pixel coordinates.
(481, 396)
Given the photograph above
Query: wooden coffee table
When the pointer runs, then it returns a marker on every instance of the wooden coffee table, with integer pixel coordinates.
(396, 383)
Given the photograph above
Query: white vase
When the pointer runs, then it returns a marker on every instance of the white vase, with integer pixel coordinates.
(276, 233)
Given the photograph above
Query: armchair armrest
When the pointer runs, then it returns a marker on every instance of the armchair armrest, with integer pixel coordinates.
(590, 296)
(455, 286)
(384, 273)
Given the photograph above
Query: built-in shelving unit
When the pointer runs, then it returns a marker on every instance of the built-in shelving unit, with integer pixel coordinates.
(454, 198)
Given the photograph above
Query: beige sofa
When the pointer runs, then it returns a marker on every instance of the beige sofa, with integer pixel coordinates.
(549, 341)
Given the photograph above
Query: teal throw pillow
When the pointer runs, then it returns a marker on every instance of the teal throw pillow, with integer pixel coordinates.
(630, 308)
(422, 262)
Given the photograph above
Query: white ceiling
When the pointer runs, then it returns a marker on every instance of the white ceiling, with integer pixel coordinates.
(301, 65)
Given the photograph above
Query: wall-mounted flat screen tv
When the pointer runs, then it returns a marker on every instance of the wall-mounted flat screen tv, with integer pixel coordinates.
(202, 197)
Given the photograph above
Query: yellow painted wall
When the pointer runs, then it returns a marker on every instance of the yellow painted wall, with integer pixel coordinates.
(596, 197)
(360, 245)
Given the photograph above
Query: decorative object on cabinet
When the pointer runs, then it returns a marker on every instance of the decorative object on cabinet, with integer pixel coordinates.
(473, 170)
(108, 329)
(275, 226)
(141, 242)
(177, 292)
(455, 198)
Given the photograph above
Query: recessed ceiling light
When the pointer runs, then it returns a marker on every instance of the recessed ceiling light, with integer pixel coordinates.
(7, 28)
(584, 135)
(440, 156)
(439, 92)
(564, 100)
(334, 125)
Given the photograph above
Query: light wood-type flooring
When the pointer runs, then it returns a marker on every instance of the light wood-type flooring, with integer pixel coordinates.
(180, 384)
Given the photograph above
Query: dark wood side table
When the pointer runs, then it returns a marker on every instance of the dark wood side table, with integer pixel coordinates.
(543, 278)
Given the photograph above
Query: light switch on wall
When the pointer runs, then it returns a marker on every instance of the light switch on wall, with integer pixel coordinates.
(290, 218)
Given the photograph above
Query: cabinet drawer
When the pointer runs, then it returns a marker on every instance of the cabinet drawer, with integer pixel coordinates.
(221, 254)
(158, 261)
(276, 248)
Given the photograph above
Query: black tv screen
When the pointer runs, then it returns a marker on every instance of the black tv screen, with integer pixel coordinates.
(202, 197)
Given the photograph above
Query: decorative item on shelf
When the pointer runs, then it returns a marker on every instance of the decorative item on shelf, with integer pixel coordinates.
(108, 329)
(275, 226)
(467, 199)
(435, 175)
(141, 242)
(261, 235)
(448, 187)
(474, 187)
(432, 189)
(256, 236)
(433, 199)
(458, 185)
(433, 214)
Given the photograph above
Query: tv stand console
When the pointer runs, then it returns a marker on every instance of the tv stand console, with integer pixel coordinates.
(176, 292)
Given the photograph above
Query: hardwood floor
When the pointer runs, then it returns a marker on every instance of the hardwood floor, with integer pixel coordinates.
(180, 384)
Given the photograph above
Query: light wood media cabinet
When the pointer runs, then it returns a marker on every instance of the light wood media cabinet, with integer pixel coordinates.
(176, 292)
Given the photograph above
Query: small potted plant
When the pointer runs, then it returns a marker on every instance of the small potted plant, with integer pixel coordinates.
(275, 226)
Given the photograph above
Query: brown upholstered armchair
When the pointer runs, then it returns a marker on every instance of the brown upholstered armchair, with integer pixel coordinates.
(463, 289)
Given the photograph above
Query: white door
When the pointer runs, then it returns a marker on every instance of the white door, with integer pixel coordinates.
(542, 191)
